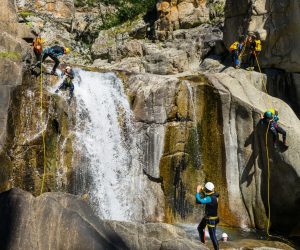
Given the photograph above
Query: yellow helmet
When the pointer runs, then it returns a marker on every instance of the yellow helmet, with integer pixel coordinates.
(272, 111)
(67, 50)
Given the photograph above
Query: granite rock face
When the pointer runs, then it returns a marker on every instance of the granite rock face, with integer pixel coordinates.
(206, 127)
(63, 221)
(184, 52)
(276, 22)
(63, 9)
(181, 14)
(23, 150)
(13, 51)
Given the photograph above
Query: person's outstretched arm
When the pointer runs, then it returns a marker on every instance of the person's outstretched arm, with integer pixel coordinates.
(200, 200)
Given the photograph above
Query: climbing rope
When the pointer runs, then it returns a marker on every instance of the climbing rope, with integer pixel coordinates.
(43, 133)
(243, 49)
(268, 188)
(263, 80)
(267, 151)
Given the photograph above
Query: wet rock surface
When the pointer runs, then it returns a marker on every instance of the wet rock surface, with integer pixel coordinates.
(195, 118)
(194, 126)
(63, 221)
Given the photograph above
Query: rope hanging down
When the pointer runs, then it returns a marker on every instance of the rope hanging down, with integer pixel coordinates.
(43, 132)
(243, 50)
(268, 188)
(267, 151)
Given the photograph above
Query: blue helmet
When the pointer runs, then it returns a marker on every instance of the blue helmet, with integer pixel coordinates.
(268, 114)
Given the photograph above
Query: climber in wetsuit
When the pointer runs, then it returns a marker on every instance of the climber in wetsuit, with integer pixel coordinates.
(210, 198)
(235, 51)
(255, 49)
(38, 47)
(69, 75)
(270, 118)
(54, 52)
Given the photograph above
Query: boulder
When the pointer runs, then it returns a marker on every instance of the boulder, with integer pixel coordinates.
(275, 23)
(63, 221)
(62, 9)
(180, 14)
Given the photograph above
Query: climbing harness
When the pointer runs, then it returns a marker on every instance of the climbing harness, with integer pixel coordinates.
(43, 132)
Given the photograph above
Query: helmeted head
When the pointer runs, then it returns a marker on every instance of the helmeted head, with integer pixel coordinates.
(272, 111)
(268, 114)
(67, 50)
(209, 186)
(224, 237)
(68, 68)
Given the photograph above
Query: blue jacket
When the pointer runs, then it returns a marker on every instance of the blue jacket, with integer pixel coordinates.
(205, 200)
(54, 51)
(211, 201)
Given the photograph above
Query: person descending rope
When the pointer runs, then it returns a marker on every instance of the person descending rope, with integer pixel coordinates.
(255, 49)
(210, 198)
(38, 47)
(235, 50)
(68, 75)
(270, 118)
(54, 52)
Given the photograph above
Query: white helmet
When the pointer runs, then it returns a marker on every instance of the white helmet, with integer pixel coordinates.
(68, 67)
(209, 186)
(224, 235)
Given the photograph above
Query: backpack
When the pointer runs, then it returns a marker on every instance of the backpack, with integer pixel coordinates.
(38, 44)
(257, 45)
(234, 46)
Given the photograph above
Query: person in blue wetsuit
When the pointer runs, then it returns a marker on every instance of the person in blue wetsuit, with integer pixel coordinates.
(270, 118)
(54, 52)
(210, 198)
(68, 75)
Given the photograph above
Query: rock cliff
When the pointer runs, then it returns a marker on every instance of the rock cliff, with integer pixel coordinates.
(63, 221)
(206, 127)
(276, 22)
(196, 119)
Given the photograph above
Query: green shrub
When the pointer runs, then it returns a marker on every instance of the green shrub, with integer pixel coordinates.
(25, 14)
(126, 10)
(12, 55)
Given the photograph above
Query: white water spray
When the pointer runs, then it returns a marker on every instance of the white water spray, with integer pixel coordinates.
(193, 100)
(105, 140)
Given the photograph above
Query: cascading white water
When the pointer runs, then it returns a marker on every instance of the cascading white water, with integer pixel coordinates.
(105, 141)
(191, 94)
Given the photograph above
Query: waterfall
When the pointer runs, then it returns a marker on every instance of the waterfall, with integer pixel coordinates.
(108, 166)
(198, 160)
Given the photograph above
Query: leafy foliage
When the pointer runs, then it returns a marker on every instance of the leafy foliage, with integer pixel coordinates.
(12, 55)
(125, 9)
